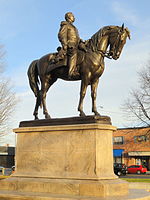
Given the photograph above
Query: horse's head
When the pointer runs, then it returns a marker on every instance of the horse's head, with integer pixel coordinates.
(117, 40)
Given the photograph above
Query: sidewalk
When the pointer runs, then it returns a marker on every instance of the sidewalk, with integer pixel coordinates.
(141, 185)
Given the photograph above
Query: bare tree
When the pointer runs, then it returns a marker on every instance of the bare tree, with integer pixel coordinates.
(137, 106)
(7, 98)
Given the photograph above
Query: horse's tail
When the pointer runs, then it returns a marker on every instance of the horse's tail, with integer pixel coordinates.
(33, 79)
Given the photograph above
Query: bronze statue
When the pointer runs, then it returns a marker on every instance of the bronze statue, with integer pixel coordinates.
(89, 64)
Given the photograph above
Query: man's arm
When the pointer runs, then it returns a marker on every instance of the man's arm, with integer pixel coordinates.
(62, 35)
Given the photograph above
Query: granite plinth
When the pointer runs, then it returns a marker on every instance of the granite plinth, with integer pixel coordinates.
(81, 151)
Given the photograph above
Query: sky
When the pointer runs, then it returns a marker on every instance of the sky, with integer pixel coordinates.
(29, 30)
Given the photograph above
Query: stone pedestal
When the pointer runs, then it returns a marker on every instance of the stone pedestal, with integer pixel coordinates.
(64, 162)
(76, 152)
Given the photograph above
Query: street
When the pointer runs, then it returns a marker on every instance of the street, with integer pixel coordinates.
(142, 176)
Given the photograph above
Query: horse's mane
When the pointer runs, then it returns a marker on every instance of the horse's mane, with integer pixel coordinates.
(95, 39)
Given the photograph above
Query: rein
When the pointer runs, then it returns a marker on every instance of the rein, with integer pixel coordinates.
(104, 54)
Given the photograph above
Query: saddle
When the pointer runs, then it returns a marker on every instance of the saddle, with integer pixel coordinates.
(63, 62)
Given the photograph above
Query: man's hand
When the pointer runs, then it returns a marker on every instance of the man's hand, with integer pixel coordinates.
(65, 47)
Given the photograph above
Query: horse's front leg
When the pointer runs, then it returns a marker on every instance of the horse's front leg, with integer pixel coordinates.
(82, 95)
(94, 86)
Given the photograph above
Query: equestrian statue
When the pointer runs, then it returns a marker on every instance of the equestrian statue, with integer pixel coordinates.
(76, 60)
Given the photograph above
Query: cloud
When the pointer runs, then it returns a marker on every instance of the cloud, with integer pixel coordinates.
(125, 12)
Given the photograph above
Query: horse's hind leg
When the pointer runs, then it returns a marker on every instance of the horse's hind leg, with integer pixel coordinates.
(44, 88)
(46, 83)
(93, 95)
(38, 102)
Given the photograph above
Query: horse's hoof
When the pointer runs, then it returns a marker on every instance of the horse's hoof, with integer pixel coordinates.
(36, 118)
(82, 114)
(97, 114)
(47, 116)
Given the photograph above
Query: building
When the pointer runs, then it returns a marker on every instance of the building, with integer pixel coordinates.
(132, 146)
(7, 156)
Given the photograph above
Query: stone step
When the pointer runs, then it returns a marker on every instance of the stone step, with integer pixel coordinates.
(14, 195)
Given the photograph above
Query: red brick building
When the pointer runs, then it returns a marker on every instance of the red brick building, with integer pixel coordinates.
(132, 146)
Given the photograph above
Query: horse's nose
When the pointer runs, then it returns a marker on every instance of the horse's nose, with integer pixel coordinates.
(115, 57)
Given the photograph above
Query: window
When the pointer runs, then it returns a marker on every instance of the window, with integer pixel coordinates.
(141, 138)
(131, 166)
(118, 140)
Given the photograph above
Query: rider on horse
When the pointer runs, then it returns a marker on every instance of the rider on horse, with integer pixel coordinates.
(71, 42)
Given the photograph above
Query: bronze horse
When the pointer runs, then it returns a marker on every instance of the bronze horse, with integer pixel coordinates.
(90, 65)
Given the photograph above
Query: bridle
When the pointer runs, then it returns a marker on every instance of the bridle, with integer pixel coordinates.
(110, 53)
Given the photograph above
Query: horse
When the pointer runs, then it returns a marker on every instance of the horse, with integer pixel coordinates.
(90, 66)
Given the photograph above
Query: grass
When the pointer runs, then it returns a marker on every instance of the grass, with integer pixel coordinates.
(136, 180)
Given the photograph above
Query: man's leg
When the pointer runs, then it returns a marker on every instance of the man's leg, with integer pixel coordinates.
(72, 60)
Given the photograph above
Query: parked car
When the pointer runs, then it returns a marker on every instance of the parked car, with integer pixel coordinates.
(137, 169)
(1, 168)
(120, 169)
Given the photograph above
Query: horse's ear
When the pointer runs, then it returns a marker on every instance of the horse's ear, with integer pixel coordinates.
(122, 27)
(128, 33)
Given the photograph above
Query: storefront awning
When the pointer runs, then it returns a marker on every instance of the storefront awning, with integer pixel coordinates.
(3, 153)
(117, 152)
(139, 153)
